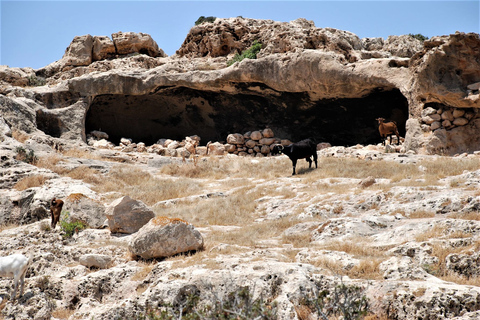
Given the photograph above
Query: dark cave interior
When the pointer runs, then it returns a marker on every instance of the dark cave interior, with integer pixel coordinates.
(177, 112)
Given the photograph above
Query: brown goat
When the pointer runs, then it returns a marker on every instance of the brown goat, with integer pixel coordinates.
(55, 210)
(387, 129)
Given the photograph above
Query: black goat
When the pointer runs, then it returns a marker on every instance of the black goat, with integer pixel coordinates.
(299, 150)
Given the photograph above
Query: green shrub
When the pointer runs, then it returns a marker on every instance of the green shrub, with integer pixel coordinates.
(235, 305)
(70, 228)
(26, 156)
(203, 19)
(35, 81)
(250, 53)
(418, 36)
(346, 302)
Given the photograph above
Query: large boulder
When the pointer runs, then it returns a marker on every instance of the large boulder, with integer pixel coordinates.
(100, 261)
(132, 42)
(79, 52)
(164, 237)
(126, 215)
(86, 210)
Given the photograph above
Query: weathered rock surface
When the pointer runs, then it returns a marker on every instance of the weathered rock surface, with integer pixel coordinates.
(126, 215)
(284, 238)
(164, 237)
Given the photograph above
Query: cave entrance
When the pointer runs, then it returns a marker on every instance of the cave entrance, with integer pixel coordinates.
(177, 112)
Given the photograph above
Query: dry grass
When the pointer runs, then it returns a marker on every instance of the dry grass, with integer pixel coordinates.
(30, 182)
(358, 247)
(236, 208)
(85, 174)
(20, 136)
(81, 153)
(146, 268)
(440, 270)
(220, 168)
(143, 186)
(474, 215)
(432, 233)
(63, 313)
(421, 214)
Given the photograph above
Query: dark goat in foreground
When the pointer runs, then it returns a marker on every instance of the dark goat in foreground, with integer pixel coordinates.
(300, 150)
(55, 211)
(387, 129)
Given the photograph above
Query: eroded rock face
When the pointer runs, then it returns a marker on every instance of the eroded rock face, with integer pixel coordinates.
(126, 215)
(311, 76)
(164, 237)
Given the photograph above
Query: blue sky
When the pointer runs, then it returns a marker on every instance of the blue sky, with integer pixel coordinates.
(36, 33)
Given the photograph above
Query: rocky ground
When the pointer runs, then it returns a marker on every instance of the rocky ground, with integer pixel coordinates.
(399, 231)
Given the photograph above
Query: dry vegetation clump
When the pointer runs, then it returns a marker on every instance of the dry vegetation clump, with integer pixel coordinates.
(473, 215)
(236, 208)
(85, 174)
(221, 168)
(145, 268)
(163, 221)
(441, 251)
(143, 186)
(20, 136)
(30, 182)
(50, 162)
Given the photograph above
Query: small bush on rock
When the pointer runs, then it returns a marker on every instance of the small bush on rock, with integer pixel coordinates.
(70, 228)
(250, 53)
(346, 302)
(238, 304)
(26, 156)
(203, 19)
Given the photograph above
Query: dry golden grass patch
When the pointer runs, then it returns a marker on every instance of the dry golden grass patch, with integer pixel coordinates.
(366, 269)
(81, 153)
(143, 186)
(432, 233)
(50, 162)
(63, 313)
(85, 174)
(145, 268)
(221, 168)
(358, 247)
(30, 182)
(236, 208)
(473, 215)
(440, 270)
(20, 136)
(421, 214)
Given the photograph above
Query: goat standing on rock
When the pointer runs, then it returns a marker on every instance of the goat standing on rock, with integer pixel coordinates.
(387, 129)
(300, 150)
(55, 211)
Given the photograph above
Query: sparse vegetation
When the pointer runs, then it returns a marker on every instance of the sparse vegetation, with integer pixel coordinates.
(30, 182)
(35, 81)
(24, 155)
(250, 53)
(418, 36)
(347, 302)
(70, 228)
(237, 304)
(203, 19)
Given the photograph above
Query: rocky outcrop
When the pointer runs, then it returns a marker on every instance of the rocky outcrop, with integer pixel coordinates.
(126, 215)
(164, 237)
(303, 80)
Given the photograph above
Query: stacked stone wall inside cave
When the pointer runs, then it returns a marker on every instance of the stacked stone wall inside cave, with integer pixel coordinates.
(178, 112)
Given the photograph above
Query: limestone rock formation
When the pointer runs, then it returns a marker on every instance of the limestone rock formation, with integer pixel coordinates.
(126, 215)
(303, 80)
(164, 237)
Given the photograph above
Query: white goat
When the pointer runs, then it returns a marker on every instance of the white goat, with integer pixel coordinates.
(15, 266)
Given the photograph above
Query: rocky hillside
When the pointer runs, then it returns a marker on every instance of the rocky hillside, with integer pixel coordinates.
(174, 205)
(303, 81)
